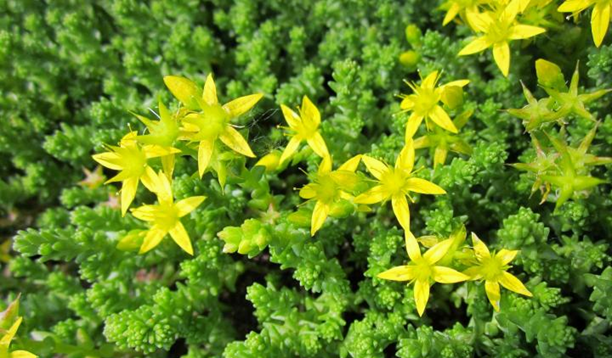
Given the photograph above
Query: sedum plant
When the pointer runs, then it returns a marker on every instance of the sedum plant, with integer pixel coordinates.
(256, 230)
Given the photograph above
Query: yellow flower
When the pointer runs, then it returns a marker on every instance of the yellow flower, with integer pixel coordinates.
(328, 187)
(164, 217)
(304, 127)
(208, 119)
(600, 18)
(441, 142)
(5, 342)
(492, 269)
(462, 8)
(163, 133)
(423, 103)
(498, 30)
(396, 183)
(422, 270)
(131, 160)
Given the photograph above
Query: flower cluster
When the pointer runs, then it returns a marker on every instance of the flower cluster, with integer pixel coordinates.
(197, 127)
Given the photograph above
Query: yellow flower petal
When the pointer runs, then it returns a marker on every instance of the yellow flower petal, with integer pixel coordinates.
(154, 151)
(325, 166)
(510, 12)
(351, 164)
(290, 149)
(519, 32)
(375, 166)
(184, 90)
(437, 252)
(149, 178)
(162, 187)
(405, 160)
(210, 91)
(398, 273)
(179, 235)
(145, 212)
(441, 118)
(22, 354)
(407, 103)
(440, 156)
(153, 238)
(477, 45)
(205, 151)
(318, 145)
(292, 118)
(444, 274)
(414, 121)
(480, 249)
(109, 160)
(309, 112)
(512, 283)
(372, 196)
(431, 80)
(270, 161)
(474, 273)
(501, 54)
(421, 295)
(234, 140)
(242, 105)
(128, 192)
(479, 21)
(401, 210)
(8, 336)
(600, 20)
(505, 256)
(412, 246)
(168, 162)
(319, 214)
(308, 192)
(493, 294)
(574, 5)
(458, 83)
(423, 186)
(451, 13)
(188, 205)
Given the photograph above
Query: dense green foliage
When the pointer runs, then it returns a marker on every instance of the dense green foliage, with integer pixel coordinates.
(258, 284)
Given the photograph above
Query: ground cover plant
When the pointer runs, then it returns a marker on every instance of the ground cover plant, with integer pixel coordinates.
(329, 178)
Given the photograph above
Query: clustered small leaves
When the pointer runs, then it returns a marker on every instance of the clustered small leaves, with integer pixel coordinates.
(303, 217)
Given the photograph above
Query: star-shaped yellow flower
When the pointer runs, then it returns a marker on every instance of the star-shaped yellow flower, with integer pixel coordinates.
(164, 217)
(499, 28)
(5, 342)
(441, 142)
(328, 187)
(131, 160)
(207, 120)
(423, 271)
(163, 133)
(423, 103)
(396, 183)
(492, 269)
(600, 18)
(304, 127)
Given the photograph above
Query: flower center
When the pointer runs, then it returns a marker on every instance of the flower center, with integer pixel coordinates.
(133, 160)
(394, 181)
(166, 215)
(426, 100)
(211, 122)
(498, 32)
(422, 270)
(491, 268)
(327, 190)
